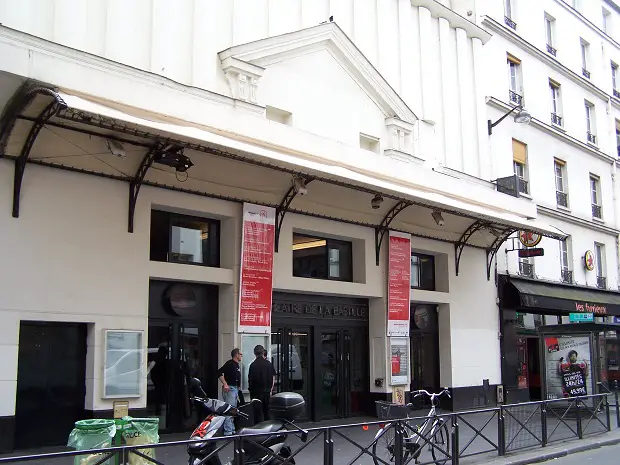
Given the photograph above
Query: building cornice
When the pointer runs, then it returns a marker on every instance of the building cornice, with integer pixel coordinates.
(552, 62)
(557, 133)
(560, 215)
(594, 27)
(456, 21)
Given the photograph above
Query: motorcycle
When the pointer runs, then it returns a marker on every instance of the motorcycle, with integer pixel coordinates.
(270, 434)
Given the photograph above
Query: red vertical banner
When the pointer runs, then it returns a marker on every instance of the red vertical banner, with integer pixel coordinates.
(399, 284)
(257, 249)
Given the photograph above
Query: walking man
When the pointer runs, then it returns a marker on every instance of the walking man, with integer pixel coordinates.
(230, 377)
(261, 379)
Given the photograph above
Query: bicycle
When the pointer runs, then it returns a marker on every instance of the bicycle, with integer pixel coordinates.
(433, 431)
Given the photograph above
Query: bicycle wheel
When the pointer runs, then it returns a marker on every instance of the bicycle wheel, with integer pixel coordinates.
(440, 443)
(384, 446)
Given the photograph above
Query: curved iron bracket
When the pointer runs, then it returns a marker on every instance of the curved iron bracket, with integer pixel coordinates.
(383, 228)
(284, 207)
(7, 124)
(464, 239)
(492, 251)
(136, 182)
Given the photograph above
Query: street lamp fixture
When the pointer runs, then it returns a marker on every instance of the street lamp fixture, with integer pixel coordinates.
(522, 117)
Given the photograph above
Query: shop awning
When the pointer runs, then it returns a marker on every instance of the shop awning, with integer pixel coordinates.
(559, 298)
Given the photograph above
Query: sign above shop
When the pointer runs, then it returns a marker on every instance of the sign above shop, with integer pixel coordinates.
(526, 253)
(529, 239)
(588, 260)
(322, 310)
(581, 317)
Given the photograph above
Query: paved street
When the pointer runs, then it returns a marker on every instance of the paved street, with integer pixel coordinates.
(603, 456)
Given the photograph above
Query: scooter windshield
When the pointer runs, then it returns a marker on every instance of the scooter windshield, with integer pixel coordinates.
(218, 407)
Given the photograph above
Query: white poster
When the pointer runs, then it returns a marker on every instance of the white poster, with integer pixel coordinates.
(122, 375)
(568, 366)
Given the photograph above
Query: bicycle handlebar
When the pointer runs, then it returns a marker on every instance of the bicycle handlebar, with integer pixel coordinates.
(433, 396)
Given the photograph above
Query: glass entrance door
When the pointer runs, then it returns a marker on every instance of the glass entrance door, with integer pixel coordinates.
(291, 356)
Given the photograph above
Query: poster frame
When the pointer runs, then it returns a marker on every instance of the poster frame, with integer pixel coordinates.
(402, 379)
(141, 385)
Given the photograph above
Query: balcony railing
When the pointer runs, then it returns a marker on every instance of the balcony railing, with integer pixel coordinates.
(556, 119)
(616, 93)
(510, 23)
(597, 211)
(562, 198)
(523, 186)
(591, 138)
(552, 50)
(526, 269)
(601, 282)
(585, 73)
(515, 98)
(567, 276)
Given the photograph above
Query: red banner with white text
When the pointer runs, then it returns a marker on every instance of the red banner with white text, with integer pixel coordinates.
(399, 284)
(257, 249)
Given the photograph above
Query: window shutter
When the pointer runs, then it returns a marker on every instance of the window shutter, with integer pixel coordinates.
(519, 152)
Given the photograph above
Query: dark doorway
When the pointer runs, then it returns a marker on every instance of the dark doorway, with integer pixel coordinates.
(51, 377)
(182, 343)
(533, 368)
(424, 337)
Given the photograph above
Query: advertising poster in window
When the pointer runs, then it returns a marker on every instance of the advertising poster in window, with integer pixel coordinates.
(399, 284)
(399, 361)
(568, 368)
(122, 374)
(257, 249)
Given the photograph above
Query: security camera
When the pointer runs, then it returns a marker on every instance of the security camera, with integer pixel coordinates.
(300, 186)
(115, 148)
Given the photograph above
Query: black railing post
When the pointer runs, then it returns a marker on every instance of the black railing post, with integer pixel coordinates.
(543, 422)
(328, 447)
(617, 410)
(501, 433)
(607, 414)
(455, 439)
(239, 457)
(579, 425)
(398, 443)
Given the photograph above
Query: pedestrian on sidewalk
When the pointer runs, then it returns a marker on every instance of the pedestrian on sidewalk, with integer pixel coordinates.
(261, 380)
(230, 377)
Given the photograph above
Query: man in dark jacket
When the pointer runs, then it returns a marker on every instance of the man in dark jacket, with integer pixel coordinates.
(261, 380)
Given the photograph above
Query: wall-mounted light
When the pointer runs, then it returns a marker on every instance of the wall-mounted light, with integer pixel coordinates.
(522, 117)
(436, 214)
(376, 202)
(175, 159)
(115, 148)
(300, 185)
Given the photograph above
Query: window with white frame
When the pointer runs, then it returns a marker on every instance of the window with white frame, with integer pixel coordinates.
(576, 4)
(509, 14)
(595, 196)
(556, 103)
(590, 122)
(565, 261)
(550, 33)
(585, 51)
(515, 91)
(561, 190)
(606, 24)
(519, 160)
(614, 78)
(599, 257)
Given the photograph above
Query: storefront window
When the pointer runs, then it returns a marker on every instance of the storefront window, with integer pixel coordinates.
(320, 258)
(423, 272)
(184, 239)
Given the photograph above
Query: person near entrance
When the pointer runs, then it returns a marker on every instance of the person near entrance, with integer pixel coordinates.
(230, 377)
(261, 380)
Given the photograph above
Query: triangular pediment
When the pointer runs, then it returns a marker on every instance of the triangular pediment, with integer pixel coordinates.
(255, 56)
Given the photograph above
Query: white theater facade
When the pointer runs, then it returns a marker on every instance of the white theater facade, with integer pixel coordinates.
(134, 134)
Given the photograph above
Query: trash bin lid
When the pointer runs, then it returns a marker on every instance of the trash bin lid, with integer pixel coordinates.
(144, 420)
(94, 424)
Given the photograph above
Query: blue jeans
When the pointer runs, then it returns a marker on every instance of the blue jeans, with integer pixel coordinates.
(230, 397)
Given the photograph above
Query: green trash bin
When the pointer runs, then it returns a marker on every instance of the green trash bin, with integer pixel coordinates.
(138, 432)
(92, 434)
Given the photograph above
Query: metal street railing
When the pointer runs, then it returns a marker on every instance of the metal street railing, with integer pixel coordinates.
(399, 441)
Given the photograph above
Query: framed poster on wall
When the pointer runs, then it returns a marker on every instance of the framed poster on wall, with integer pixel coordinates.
(568, 367)
(248, 342)
(399, 284)
(122, 364)
(399, 361)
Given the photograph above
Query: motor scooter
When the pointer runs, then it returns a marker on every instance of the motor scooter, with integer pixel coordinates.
(266, 435)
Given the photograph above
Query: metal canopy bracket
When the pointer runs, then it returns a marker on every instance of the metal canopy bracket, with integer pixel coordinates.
(492, 251)
(465, 237)
(383, 228)
(25, 96)
(284, 207)
(137, 180)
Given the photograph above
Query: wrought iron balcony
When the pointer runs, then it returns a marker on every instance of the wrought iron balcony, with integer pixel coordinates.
(552, 50)
(616, 93)
(567, 276)
(585, 73)
(510, 23)
(601, 282)
(597, 211)
(523, 186)
(591, 138)
(562, 198)
(526, 269)
(556, 119)
(515, 98)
